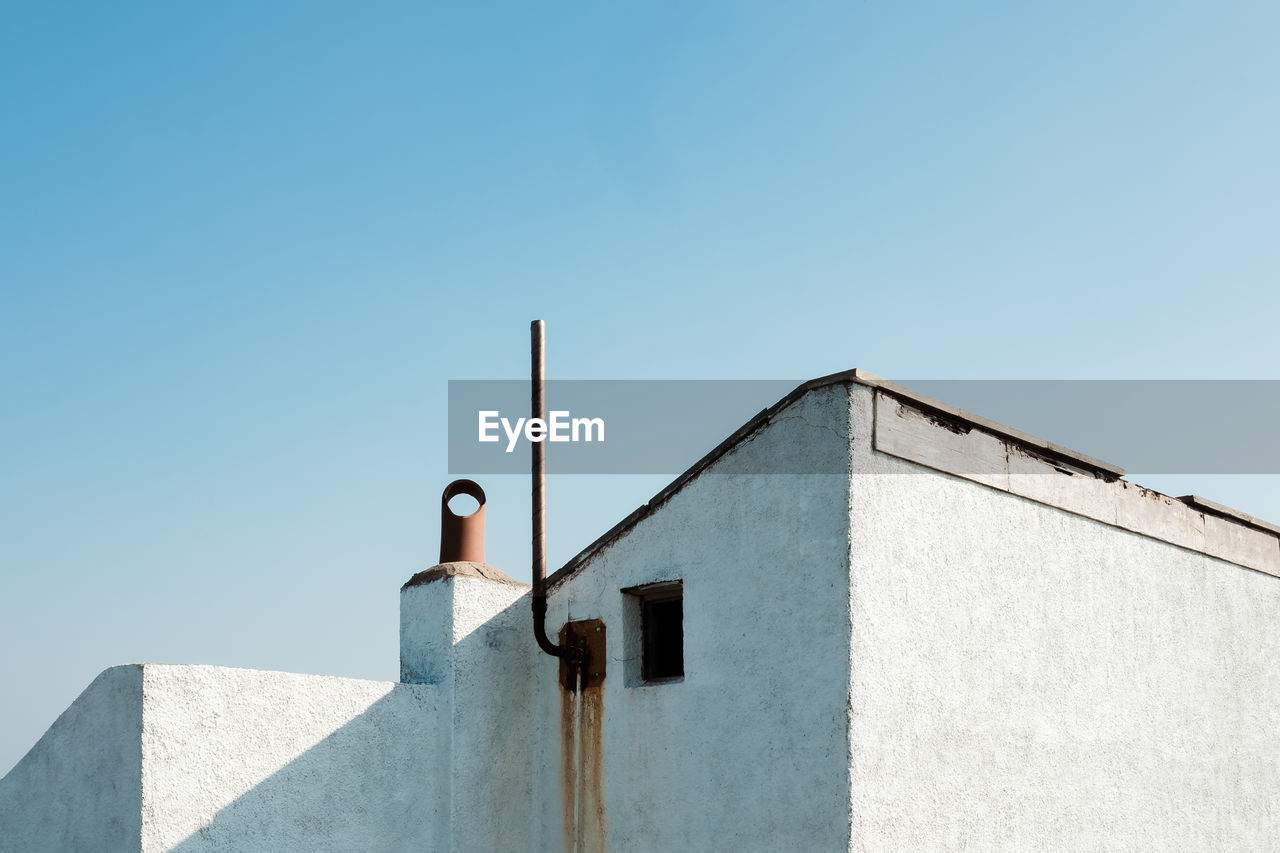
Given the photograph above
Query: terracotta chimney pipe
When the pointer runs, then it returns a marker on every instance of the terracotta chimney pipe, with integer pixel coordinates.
(462, 536)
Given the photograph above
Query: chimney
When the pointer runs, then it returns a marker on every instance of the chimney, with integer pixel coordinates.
(461, 536)
(464, 630)
(441, 606)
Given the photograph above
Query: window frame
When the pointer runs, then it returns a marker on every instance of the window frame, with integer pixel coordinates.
(643, 640)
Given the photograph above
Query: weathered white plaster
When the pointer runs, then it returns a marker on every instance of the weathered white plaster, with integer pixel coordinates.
(426, 633)
(909, 433)
(80, 786)
(1025, 678)
(1020, 675)
(470, 631)
(749, 751)
(243, 760)
(158, 758)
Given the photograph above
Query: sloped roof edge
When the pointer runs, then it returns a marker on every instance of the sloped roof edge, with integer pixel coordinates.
(1104, 470)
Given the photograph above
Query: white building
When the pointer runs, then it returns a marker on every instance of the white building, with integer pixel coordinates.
(944, 635)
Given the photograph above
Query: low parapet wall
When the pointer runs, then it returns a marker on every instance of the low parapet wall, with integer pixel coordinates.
(80, 786)
(159, 758)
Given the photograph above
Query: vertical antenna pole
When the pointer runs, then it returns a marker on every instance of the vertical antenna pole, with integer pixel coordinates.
(538, 409)
(537, 334)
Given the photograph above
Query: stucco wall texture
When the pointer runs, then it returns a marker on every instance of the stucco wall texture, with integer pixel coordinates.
(750, 750)
(471, 637)
(1024, 678)
(159, 758)
(80, 786)
(243, 760)
(1016, 673)
(936, 641)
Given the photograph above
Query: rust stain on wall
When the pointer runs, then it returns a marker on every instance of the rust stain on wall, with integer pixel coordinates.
(568, 767)
(582, 739)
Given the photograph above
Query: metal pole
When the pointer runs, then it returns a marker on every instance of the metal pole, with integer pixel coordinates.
(537, 334)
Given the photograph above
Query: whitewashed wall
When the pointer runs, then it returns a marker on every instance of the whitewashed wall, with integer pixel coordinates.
(750, 751)
(181, 759)
(472, 636)
(1025, 678)
(80, 786)
(243, 760)
(1036, 658)
(158, 758)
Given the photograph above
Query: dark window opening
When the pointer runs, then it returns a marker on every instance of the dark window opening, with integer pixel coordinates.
(662, 633)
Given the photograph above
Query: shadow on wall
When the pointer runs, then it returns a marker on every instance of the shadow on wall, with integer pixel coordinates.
(378, 783)
(417, 770)
(79, 787)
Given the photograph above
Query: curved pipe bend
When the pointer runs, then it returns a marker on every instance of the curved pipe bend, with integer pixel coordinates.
(537, 335)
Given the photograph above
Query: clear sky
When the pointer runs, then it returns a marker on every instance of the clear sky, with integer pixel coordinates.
(245, 245)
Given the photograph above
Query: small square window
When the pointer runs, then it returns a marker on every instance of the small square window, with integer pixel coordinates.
(655, 633)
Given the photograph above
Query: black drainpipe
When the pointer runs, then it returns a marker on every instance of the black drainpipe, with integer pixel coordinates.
(571, 654)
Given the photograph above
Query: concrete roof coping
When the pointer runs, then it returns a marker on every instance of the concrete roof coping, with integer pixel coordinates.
(1227, 512)
(857, 376)
(862, 377)
(462, 569)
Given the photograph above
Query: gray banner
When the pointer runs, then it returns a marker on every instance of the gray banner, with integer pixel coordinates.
(664, 426)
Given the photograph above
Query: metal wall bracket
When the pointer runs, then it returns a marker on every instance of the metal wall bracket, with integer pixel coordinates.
(589, 636)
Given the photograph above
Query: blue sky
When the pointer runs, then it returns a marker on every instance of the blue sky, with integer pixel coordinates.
(246, 245)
